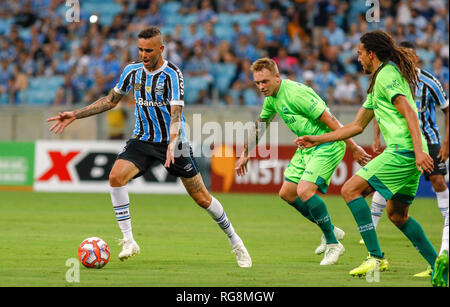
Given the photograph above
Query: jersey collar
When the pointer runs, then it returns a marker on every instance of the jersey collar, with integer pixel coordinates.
(164, 65)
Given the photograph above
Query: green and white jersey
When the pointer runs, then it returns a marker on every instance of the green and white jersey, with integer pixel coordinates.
(299, 107)
(388, 85)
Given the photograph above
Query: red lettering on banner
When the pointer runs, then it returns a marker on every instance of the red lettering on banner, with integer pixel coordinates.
(267, 175)
(59, 167)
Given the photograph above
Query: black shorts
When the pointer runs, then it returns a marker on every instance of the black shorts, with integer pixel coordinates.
(146, 154)
(439, 167)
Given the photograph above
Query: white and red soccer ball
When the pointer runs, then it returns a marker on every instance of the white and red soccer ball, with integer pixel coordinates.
(94, 253)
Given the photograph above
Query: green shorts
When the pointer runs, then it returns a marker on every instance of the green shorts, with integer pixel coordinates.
(394, 175)
(316, 165)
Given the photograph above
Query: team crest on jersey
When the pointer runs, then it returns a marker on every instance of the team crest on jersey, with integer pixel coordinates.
(159, 90)
(137, 86)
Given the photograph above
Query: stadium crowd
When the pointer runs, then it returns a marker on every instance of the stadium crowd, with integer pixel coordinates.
(49, 57)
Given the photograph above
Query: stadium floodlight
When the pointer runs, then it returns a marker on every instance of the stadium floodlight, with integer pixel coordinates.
(93, 18)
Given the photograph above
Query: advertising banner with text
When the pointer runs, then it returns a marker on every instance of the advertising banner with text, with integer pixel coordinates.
(266, 175)
(16, 164)
(84, 166)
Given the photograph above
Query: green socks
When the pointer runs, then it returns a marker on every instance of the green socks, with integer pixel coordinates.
(315, 210)
(363, 218)
(319, 212)
(414, 232)
(302, 208)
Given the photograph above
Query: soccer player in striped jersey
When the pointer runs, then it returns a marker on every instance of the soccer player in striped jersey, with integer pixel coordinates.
(429, 95)
(158, 136)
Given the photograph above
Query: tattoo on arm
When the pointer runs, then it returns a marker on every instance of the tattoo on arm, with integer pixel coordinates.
(256, 133)
(101, 105)
(175, 122)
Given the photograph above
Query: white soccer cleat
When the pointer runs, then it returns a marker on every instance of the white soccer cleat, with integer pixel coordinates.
(242, 255)
(129, 249)
(332, 253)
(339, 233)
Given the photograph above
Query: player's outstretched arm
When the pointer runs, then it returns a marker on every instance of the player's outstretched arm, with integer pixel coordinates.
(423, 161)
(359, 154)
(356, 127)
(66, 118)
(254, 136)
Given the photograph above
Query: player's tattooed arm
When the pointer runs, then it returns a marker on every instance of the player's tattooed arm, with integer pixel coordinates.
(175, 122)
(256, 133)
(252, 140)
(63, 119)
(101, 105)
(174, 130)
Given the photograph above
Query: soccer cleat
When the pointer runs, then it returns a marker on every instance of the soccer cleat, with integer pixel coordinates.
(339, 234)
(426, 273)
(439, 276)
(370, 264)
(332, 253)
(129, 249)
(242, 255)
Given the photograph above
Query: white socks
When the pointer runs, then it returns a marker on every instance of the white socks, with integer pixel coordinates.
(442, 199)
(444, 243)
(121, 204)
(217, 212)
(377, 207)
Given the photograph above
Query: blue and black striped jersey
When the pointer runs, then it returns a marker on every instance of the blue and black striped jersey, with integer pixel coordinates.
(154, 93)
(429, 94)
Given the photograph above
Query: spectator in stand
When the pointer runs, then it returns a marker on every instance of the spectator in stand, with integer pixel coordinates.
(346, 92)
(66, 93)
(334, 34)
(325, 81)
(286, 63)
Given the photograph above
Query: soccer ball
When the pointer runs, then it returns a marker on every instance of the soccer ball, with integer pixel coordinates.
(94, 253)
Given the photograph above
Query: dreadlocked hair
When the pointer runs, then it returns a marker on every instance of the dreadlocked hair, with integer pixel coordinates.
(384, 47)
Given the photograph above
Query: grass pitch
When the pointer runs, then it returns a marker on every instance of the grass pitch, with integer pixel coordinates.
(181, 246)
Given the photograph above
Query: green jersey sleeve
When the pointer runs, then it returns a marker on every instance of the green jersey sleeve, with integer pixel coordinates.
(307, 102)
(391, 84)
(368, 104)
(267, 110)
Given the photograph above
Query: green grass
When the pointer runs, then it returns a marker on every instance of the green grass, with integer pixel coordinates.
(182, 247)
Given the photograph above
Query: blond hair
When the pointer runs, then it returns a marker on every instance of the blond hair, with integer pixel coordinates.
(265, 63)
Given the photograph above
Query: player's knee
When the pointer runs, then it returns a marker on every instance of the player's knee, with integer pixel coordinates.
(438, 183)
(116, 179)
(202, 199)
(286, 196)
(397, 219)
(306, 194)
(347, 192)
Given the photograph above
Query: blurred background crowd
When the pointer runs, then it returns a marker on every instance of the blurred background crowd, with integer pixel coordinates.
(48, 59)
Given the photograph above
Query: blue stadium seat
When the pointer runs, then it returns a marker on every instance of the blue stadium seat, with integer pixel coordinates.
(42, 90)
(192, 86)
(224, 74)
(223, 32)
(4, 99)
(170, 8)
(250, 98)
